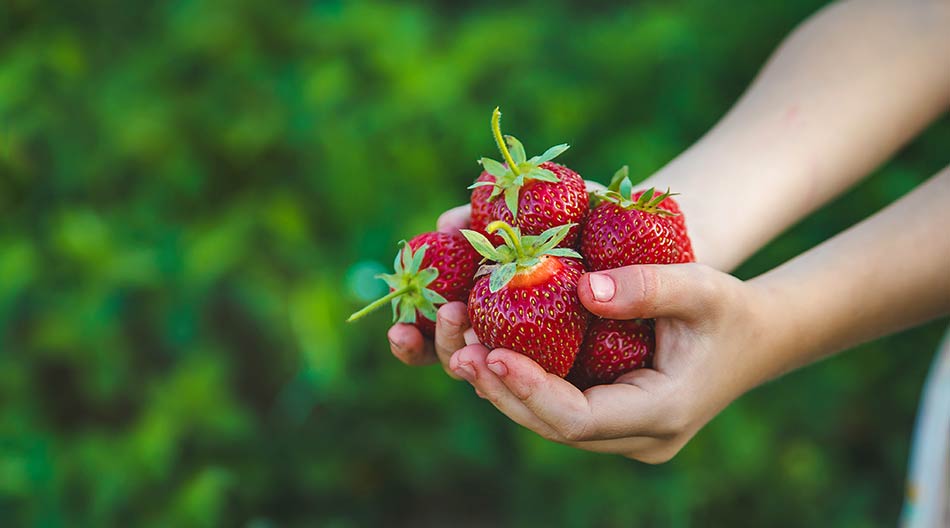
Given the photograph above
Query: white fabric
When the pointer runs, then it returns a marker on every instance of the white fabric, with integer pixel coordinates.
(927, 504)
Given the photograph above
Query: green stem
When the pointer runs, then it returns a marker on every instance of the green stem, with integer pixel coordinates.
(379, 302)
(496, 131)
(515, 238)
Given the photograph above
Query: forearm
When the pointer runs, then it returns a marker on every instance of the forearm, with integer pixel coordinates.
(839, 96)
(887, 273)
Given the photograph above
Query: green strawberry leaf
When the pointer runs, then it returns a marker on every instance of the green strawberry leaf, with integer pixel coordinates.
(501, 276)
(493, 167)
(552, 237)
(517, 150)
(428, 310)
(564, 252)
(397, 263)
(625, 189)
(540, 174)
(392, 280)
(622, 174)
(481, 184)
(646, 197)
(481, 244)
(511, 200)
(549, 154)
(406, 258)
(505, 254)
(433, 296)
(417, 258)
(426, 276)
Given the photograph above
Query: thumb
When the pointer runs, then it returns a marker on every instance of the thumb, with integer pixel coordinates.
(682, 291)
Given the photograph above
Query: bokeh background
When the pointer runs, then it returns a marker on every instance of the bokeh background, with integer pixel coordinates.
(194, 195)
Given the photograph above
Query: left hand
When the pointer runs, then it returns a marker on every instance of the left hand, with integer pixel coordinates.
(709, 326)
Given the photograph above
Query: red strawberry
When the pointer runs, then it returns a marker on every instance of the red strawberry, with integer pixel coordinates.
(679, 226)
(538, 194)
(431, 269)
(527, 301)
(622, 231)
(612, 348)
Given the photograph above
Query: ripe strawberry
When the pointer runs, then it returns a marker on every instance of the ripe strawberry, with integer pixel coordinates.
(612, 348)
(679, 226)
(538, 194)
(528, 300)
(431, 269)
(622, 231)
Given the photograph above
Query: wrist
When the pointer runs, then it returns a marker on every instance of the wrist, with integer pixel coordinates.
(794, 320)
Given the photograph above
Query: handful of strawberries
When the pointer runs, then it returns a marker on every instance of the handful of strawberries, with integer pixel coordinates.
(535, 231)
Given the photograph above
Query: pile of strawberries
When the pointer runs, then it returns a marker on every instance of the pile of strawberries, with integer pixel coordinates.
(535, 230)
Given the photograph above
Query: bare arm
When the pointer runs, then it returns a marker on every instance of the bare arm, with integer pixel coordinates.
(890, 272)
(848, 88)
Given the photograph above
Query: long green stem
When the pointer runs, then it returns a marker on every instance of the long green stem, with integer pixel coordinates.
(515, 237)
(379, 302)
(496, 131)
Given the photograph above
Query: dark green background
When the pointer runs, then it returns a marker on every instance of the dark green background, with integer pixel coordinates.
(194, 193)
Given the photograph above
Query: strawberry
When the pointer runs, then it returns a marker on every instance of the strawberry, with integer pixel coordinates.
(622, 231)
(679, 226)
(527, 301)
(537, 193)
(430, 270)
(612, 348)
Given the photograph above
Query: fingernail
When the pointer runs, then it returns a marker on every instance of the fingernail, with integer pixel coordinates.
(602, 286)
(498, 368)
(465, 371)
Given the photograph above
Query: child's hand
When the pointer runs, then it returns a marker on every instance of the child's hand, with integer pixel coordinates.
(709, 324)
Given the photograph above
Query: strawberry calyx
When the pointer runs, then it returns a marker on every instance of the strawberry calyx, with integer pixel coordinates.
(409, 286)
(620, 192)
(517, 254)
(517, 170)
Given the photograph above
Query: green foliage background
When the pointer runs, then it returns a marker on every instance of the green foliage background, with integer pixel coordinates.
(194, 195)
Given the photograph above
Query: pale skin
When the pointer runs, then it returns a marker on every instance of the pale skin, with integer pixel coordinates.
(841, 94)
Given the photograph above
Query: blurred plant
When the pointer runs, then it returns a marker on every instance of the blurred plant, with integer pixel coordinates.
(184, 185)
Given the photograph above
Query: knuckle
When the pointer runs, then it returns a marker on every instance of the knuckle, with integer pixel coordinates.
(648, 285)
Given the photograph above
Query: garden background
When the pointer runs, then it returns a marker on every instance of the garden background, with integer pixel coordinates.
(196, 194)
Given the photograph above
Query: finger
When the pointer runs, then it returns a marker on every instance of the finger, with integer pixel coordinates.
(601, 413)
(454, 219)
(470, 337)
(684, 291)
(469, 363)
(450, 325)
(409, 345)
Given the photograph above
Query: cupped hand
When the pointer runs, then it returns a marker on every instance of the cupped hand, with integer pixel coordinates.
(709, 326)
